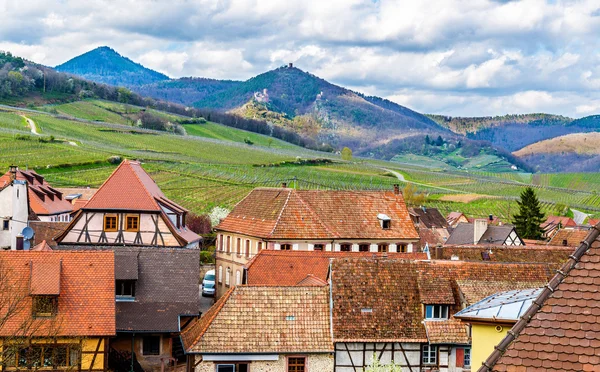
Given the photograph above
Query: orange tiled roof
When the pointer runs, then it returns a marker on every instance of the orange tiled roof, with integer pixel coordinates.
(129, 187)
(43, 199)
(42, 247)
(287, 268)
(252, 319)
(45, 277)
(284, 213)
(572, 238)
(449, 331)
(390, 288)
(563, 333)
(86, 303)
(552, 221)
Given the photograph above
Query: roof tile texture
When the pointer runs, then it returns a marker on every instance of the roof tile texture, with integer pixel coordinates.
(287, 268)
(449, 331)
(264, 320)
(387, 286)
(565, 333)
(539, 254)
(45, 277)
(572, 237)
(86, 304)
(315, 214)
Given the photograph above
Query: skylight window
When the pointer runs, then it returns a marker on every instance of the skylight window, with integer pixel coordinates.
(290, 317)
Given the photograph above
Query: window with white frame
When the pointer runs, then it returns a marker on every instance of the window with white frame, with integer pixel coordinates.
(227, 276)
(429, 354)
(436, 312)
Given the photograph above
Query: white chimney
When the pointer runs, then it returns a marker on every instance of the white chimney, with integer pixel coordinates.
(479, 228)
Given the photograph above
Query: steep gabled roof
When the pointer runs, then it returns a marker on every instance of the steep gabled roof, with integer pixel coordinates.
(553, 221)
(250, 319)
(129, 187)
(571, 237)
(430, 217)
(463, 234)
(559, 332)
(43, 198)
(84, 282)
(284, 213)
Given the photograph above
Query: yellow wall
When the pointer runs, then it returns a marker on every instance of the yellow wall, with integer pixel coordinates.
(483, 340)
(88, 345)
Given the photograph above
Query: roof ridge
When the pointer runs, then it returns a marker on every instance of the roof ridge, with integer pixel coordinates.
(281, 213)
(152, 197)
(538, 303)
(217, 308)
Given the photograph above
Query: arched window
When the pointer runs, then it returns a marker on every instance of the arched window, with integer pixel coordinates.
(238, 278)
(220, 274)
(227, 276)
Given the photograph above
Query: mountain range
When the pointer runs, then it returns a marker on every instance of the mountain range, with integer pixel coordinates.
(312, 107)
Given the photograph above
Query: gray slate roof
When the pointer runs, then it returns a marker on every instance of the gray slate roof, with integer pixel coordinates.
(463, 234)
(430, 217)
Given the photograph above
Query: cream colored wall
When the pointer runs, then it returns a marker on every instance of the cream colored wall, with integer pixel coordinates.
(96, 226)
(315, 363)
(484, 338)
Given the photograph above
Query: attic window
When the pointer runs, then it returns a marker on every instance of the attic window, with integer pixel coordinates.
(384, 220)
(366, 310)
(318, 247)
(565, 242)
(436, 312)
(363, 247)
(290, 317)
(45, 306)
(286, 247)
(382, 247)
(345, 247)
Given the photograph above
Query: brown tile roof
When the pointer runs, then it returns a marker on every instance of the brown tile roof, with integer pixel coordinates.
(45, 277)
(553, 221)
(43, 199)
(251, 319)
(433, 237)
(449, 331)
(311, 280)
(571, 237)
(540, 254)
(435, 290)
(287, 268)
(46, 231)
(86, 303)
(430, 217)
(560, 330)
(284, 213)
(390, 288)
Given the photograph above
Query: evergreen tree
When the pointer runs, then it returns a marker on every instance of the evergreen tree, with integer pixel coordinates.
(427, 140)
(530, 217)
(439, 141)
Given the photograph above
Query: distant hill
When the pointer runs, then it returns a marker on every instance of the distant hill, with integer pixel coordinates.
(186, 90)
(105, 65)
(575, 152)
(513, 132)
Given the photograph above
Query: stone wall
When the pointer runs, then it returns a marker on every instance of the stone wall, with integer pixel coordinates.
(315, 363)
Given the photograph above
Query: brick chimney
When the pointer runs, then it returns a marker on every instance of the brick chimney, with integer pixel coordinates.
(284, 185)
(13, 172)
(480, 225)
(396, 189)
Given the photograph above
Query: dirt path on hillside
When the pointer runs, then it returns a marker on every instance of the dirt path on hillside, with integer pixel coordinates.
(401, 178)
(31, 125)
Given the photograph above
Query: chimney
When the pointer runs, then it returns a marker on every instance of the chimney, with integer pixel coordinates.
(13, 172)
(479, 228)
(290, 65)
(19, 246)
(284, 184)
(396, 189)
(491, 217)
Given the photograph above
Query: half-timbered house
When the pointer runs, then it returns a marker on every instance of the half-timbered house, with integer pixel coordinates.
(481, 232)
(129, 209)
(57, 310)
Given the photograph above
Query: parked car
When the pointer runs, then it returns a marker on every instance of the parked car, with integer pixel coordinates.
(208, 283)
(208, 289)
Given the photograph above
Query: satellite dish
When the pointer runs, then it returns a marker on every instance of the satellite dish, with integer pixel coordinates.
(27, 233)
(26, 245)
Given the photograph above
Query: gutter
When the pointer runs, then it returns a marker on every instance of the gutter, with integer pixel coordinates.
(330, 301)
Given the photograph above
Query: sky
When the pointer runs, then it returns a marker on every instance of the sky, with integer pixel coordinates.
(457, 58)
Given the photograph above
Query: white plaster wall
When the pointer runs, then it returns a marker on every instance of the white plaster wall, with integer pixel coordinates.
(6, 207)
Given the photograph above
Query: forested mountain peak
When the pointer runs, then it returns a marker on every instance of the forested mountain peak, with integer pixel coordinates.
(105, 65)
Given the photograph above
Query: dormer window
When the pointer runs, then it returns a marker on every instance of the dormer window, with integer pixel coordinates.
(286, 247)
(125, 290)
(436, 312)
(45, 306)
(384, 220)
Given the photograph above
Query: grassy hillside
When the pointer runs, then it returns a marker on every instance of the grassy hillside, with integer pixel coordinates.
(579, 143)
(105, 65)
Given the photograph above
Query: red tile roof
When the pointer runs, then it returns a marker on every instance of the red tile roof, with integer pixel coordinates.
(560, 331)
(42, 247)
(390, 288)
(86, 303)
(252, 319)
(284, 213)
(43, 199)
(553, 221)
(287, 268)
(129, 187)
(45, 277)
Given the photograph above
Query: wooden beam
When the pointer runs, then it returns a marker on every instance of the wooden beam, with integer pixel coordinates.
(95, 354)
(350, 356)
